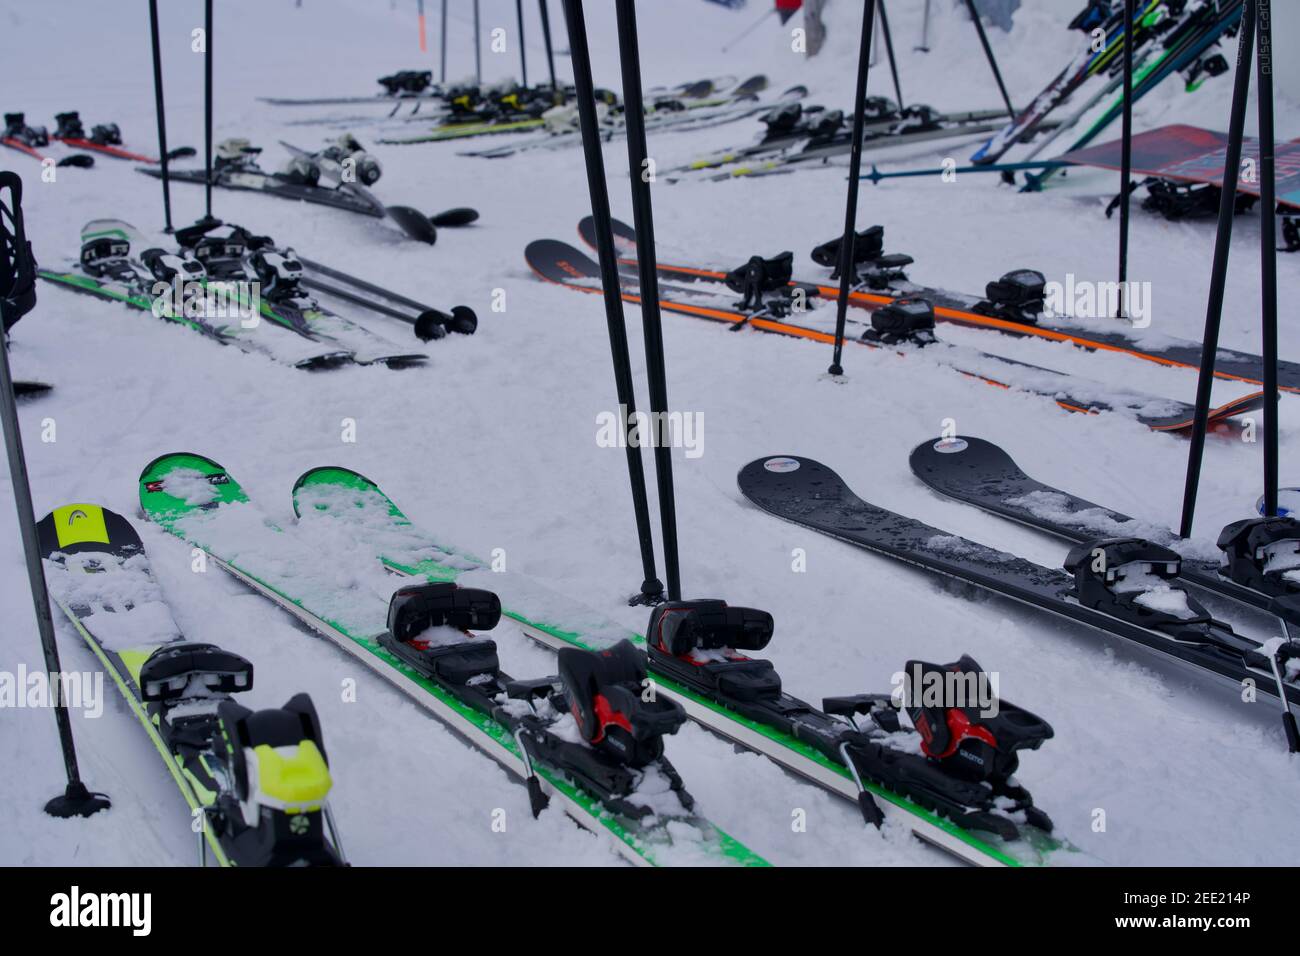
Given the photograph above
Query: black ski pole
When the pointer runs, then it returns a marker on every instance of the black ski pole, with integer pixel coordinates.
(584, 92)
(546, 38)
(925, 31)
(1219, 270)
(889, 50)
(478, 49)
(17, 297)
(162, 115)
(442, 45)
(1268, 247)
(207, 104)
(647, 271)
(523, 54)
(851, 202)
(988, 52)
(1126, 157)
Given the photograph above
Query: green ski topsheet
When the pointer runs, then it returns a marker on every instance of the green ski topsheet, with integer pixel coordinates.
(193, 498)
(339, 494)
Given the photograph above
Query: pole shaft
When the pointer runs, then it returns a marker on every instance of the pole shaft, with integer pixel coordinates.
(1126, 158)
(851, 202)
(988, 52)
(1268, 246)
(442, 43)
(889, 50)
(523, 54)
(207, 105)
(23, 503)
(546, 37)
(651, 320)
(161, 113)
(478, 49)
(586, 100)
(1219, 270)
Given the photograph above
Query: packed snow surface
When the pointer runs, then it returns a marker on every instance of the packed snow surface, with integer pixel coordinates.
(492, 444)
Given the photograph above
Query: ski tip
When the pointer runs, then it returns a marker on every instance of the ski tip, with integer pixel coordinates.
(460, 216)
(329, 475)
(414, 223)
(79, 160)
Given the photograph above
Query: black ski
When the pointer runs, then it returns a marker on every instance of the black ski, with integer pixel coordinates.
(1125, 587)
(1252, 566)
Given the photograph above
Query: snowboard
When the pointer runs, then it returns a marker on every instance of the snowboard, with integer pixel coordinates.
(1190, 154)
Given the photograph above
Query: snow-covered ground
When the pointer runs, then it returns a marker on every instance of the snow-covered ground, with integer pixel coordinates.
(492, 445)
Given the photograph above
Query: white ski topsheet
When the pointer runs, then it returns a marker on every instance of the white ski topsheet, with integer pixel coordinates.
(495, 444)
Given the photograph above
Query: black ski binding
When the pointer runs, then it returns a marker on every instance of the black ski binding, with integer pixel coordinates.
(879, 270)
(1016, 297)
(1119, 576)
(406, 82)
(1263, 554)
(907, 320)
(759, 276)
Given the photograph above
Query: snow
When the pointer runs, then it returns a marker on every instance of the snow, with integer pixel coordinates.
(491, 445)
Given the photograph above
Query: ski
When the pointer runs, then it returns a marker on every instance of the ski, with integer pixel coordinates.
(895, 327)
(258, 780)
(1253, 563)
(1013, 306)
(796, 137)
(615, 783)
(235, 259)
(31, 140)
(838, 748)
(398, 87)
(1088, 63)
(1184, 47)
(237, 168)
(1125, 587)
(106, 139)
(119, 264)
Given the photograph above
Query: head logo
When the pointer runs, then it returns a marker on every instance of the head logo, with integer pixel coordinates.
(77, 515)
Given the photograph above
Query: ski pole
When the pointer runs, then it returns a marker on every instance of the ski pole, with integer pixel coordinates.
(207, 106)
(163, 156)
(1219, 269)
(546, 37)
(648, 274)
(17, 297)
(876, 175)
(851, 202)
(925, 31)
(1268, 249)
(419, 17)
(585, 96)
(523, 54)
(442, 44)
(748, 30)
(478, 49)
(889, 50)
(1126, 156)
(988, 52)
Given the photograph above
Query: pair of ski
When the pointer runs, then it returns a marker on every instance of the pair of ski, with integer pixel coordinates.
(815, 140)
(674, 110)
(353, 197)
(1122, 577)
(881, 772)
(558, 262)
(613, 781)
(119, 264)
(256, 783)
(660, 121)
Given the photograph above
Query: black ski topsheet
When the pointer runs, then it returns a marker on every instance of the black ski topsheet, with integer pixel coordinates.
(980, 473)
(348, 196)
(810, 494)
